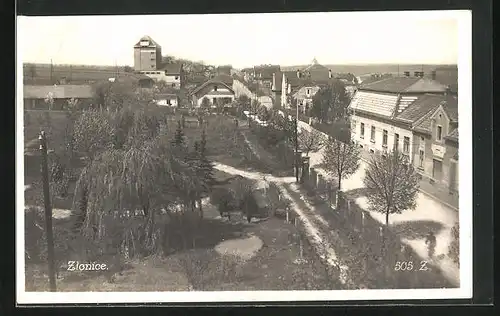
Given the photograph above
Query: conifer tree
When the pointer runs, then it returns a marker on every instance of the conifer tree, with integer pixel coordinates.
(179, 135)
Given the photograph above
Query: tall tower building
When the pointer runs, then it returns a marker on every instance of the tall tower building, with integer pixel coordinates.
(147, 55)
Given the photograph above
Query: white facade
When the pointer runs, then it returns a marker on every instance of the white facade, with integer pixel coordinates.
(405, 143)
(159, 75)
(167, 102)
(213, 95)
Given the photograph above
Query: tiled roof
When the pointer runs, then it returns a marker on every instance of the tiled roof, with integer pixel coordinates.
(451, 108)
(58, 91)
(420, 107)
(449, 104)
(404, 85)
(146, 38)
(454, 134)
(376, 103)
(266, 72)
(227, 79)
(220, 93)
(165, 95)
(301, 93)
(424, 124)
(172, 69)
(214, 80)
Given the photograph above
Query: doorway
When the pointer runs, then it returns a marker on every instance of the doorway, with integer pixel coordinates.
(437, 169)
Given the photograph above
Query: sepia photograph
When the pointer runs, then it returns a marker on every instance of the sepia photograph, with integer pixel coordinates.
(244, 157)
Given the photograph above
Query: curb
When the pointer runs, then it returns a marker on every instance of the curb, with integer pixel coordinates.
(428, 194)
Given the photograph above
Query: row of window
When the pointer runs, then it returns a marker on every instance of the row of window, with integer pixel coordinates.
(385, 133)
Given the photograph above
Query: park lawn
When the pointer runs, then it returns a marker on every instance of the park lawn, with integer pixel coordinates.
(272, 268)
(52, 122)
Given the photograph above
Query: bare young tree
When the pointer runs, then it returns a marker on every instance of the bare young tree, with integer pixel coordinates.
(392, 184)
(340, 159)
(311, 141)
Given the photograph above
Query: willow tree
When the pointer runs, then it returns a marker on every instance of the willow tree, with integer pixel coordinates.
(127, 190)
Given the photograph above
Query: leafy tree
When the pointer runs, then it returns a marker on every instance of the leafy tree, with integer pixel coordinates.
(392, 184)
(32, 71)
(454, 247)
(249, 205)
(128, 69)
(205, 103)
(223, 199)
(340, 159)
(243, 102)
(330, 102)
(310, 141)
(263, 113)
(178, 140)
(93, 133)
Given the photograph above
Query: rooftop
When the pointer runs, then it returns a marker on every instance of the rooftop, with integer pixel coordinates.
(172, 69)
(420, 107)
(220, 79)
(450, 106)
(147, 38)
(404, 85)
(58, 91)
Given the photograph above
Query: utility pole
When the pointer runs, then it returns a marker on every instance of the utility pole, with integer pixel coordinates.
(51, 71)
(297, 157)
(48, 211)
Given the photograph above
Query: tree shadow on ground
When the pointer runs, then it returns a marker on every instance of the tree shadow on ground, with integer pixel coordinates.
(356, 193)
(375, 255)
(415, 229)
(210, 233)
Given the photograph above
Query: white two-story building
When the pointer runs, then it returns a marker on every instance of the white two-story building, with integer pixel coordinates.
(375, 108)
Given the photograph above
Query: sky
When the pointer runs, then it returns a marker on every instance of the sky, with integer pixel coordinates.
(244, 40)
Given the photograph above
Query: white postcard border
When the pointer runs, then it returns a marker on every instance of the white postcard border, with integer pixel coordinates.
(464, 19)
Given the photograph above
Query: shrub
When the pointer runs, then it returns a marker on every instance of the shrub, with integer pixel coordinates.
(454, 247)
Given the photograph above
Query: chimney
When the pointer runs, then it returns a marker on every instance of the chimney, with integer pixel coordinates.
(433, 75)
(298, 74)
(330, 73)
(407, 73)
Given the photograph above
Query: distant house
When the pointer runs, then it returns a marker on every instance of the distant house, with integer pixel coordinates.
(148, 62)
(264, 74)
(286, 84)
(224, 70)
(447, 75)
(167, 99)
(40, 97)
(217, 90)
(172, 74)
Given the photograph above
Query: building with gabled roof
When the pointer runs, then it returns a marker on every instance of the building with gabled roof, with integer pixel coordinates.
(147, 55)
(437, 135)
(148, 62)
(218, 91)
(383, 112)
(287, 83)
(39, 97)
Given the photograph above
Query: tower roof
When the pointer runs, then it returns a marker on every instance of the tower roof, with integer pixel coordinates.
(146, 38)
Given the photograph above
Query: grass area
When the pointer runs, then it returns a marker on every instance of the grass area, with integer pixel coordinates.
(52, 122)
(274, 267)
(363, 248)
